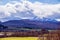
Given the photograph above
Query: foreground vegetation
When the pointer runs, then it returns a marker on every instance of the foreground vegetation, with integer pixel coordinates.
(31, 35)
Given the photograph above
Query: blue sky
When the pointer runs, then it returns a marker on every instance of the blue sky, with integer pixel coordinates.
(47, 1)
(44, 1)
(29, 9)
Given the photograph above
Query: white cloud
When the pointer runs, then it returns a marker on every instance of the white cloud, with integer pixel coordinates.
(3, 12)
(39, 9)
(10, 8)
(45, 10)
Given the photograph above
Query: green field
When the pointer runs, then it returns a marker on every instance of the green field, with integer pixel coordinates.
(19, 38)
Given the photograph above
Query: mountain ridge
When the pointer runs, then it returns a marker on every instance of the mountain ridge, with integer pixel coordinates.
(33, 24)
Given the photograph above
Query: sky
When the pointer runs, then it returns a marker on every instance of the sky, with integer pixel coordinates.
(29, 9)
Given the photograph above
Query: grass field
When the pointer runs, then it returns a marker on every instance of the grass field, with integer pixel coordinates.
(20, 38)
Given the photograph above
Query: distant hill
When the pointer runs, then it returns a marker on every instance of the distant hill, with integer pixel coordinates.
(32, 24)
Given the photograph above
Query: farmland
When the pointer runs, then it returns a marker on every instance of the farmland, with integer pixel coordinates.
(19, 38)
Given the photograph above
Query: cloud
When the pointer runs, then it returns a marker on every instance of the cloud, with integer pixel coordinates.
(28, 10)
(45, 10)
(3, 12)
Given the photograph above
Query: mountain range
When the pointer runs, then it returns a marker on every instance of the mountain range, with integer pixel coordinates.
(32, 24)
